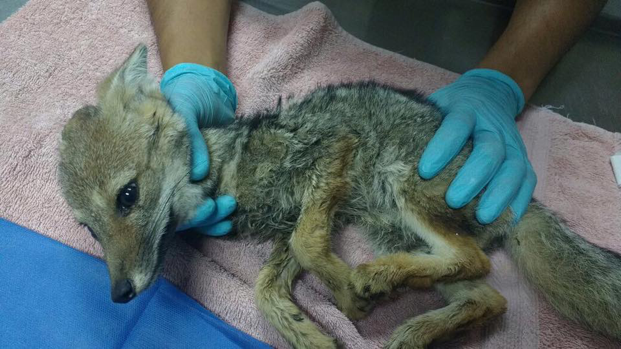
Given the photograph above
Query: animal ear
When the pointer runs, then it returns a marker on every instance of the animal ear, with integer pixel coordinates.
(77, 121)
(134, 69)
(131, 74)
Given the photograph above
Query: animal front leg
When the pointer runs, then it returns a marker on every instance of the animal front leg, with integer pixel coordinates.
(311, 245)
(311, 241)
(273, 298)
(384, 274)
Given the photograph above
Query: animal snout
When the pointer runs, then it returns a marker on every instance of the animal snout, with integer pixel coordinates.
(123, 291)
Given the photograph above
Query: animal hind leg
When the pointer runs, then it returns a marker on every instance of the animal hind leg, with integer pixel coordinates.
(273, 298)
(470, 304)
(453, 257)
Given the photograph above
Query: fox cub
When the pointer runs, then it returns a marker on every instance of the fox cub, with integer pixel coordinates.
(341, 155)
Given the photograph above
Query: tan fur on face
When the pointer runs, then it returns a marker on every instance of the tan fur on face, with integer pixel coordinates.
(131, 134)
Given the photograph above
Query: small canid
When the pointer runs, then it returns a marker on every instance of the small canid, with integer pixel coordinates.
(341, 155)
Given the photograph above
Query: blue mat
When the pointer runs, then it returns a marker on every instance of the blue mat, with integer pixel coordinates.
(53, 296)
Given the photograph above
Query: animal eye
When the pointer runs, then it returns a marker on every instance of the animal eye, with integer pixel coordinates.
(92, 232)
(127, 197)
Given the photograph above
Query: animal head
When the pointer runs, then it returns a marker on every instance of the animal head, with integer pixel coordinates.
(124, 170)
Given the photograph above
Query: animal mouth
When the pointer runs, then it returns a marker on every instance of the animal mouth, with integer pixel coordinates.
(171, 226)
(167, 237)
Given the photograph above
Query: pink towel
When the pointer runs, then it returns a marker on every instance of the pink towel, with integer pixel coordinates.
(52, 56)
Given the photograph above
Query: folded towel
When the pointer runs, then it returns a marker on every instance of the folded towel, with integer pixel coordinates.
(53, 56)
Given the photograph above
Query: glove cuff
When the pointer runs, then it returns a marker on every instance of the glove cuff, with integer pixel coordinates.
(502, 78)
(196, 69)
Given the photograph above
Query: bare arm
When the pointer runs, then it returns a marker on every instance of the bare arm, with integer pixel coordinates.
(538, 34)
(191, 31)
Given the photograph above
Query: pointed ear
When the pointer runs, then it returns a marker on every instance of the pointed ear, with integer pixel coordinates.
(132, 73)
(81, 117)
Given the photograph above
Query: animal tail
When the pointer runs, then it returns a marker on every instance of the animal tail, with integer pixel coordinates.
(581, 280)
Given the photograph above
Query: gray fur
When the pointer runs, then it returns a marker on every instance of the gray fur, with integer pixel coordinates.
(269, 161)
(580, 280)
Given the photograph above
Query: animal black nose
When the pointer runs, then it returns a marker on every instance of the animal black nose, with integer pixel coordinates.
(123, 292)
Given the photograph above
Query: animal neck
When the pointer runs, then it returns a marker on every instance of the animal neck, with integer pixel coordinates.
(225, 149)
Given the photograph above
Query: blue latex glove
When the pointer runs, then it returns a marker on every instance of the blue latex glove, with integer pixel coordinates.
(482, 104)
(209, 217)
(203, 97)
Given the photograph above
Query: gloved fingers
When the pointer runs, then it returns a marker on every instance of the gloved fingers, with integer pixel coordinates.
(215, 225)
(222, 84)
(225, 205)
(441, 97)
(502, 189)
(208, 218)
(200, 156)
(219, 229)
(486, 158)
(228, 91)
(202, 213)
(524, 196)
(222, 111)
(447, 142)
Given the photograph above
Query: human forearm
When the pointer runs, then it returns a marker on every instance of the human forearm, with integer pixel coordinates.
(191, 31)
(482, 105)
(538, 34)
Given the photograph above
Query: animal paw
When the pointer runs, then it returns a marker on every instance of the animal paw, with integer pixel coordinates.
(372, 282)
(355, 307)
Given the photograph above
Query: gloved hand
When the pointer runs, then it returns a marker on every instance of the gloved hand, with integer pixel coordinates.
(203, 97)
(209, 217)
(482, 104)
